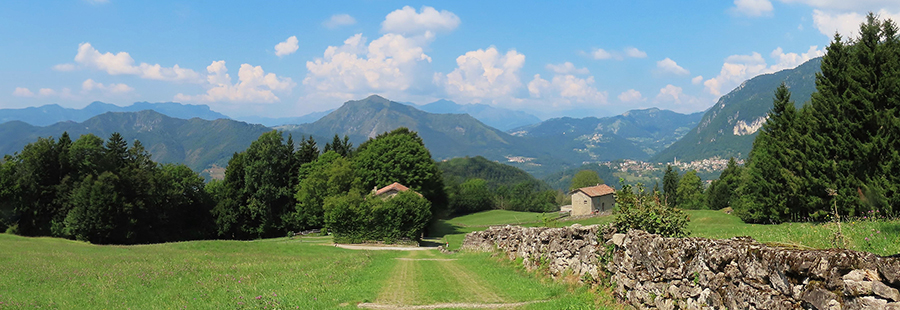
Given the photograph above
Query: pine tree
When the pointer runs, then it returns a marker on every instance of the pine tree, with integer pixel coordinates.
(670, 186)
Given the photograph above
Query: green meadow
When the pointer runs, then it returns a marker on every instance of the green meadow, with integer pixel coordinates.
(281, 273)
(310, 273)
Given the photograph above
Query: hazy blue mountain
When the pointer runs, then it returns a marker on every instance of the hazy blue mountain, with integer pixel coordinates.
(278, 121)
(196, 142)
(729, 127)
(636, 134)
(53, 113)
(500, 118)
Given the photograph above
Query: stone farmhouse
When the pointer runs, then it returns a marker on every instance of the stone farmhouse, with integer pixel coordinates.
(594, 199)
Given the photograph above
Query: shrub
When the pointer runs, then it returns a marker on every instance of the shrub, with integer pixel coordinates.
(648, 213)
(353, 218)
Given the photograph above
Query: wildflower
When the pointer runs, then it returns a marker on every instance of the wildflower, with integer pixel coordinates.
(258, 297)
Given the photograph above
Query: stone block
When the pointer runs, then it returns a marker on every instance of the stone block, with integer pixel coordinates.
(886, 291)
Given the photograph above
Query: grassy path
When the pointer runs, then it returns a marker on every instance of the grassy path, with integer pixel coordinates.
(425, 280)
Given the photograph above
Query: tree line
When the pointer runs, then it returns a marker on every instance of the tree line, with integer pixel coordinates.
(112, 193)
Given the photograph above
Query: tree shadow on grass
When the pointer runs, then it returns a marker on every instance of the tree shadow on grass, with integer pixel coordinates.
(441, 228)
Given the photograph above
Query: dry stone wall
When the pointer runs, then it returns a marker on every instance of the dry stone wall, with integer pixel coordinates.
(652, 272)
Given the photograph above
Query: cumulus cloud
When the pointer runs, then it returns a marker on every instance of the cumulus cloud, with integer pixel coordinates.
(670, 66)
(287, 47)
(115, 88)
(752, 8)
(122, 64)
(630, 95)
(339, 20)
(409, 22)
(566, 68)
(565, 89)
(253, 86)
(23, 92)
(46, 92)
(844, 5)
(738, 68)
(629, 52)
(391, 63)
(697, 80)
(484, 73)
(846, 23)
(634, 53)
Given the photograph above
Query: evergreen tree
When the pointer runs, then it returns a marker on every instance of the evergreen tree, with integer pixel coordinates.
(670, 186)
(720, 193)
(771, 191)
(342, 147)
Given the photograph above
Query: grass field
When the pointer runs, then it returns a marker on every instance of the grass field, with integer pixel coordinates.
(280, 273)
(878, 236)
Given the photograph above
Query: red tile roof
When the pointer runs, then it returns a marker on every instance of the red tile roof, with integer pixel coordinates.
(596, 191)
(396, 186)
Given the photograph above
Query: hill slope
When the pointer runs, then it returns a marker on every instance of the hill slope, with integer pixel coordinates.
(195, 142)
(730, 126)
(636, 134)
(52, 113)
(500, 118)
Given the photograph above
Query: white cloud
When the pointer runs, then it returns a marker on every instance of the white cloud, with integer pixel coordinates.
(669, 66)
(390, 64)
(46, 92)
(697, 80)
(629, 52)
(630, 95)
(635, 53)
(738, 68)
(675, 95)
(64, 67)
(566, 68)
(339, 20)
(484, 74)
(407, 21)
(89, 85)
(846, 23)
(23, 92)
(122, 63)
(752, 8)
(253, 86)
(287, 47)
(565, 89)
(846, 5)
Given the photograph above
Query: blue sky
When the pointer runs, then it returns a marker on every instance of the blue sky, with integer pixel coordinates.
(584, 58)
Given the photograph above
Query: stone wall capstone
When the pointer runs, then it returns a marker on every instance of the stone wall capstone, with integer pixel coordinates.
(652, 272)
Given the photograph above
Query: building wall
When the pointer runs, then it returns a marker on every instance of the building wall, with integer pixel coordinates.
(605, 203)
(581, 204)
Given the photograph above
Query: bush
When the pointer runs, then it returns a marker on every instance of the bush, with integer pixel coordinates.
(353, 218)
(648, 213)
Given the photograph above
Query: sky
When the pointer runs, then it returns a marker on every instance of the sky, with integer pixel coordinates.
(281, 59)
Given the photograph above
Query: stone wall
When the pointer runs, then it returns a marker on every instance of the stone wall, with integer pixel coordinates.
(649, 271)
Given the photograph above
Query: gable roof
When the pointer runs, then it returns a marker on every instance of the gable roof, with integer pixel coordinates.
(395, 186)
(596, 191)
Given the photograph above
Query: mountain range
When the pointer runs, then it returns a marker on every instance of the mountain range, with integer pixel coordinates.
(196, 142)
(636, 134)
(729, 127)
(53, 113)
(500, 118)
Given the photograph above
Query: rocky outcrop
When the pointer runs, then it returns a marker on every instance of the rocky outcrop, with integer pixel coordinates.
(651, 272)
